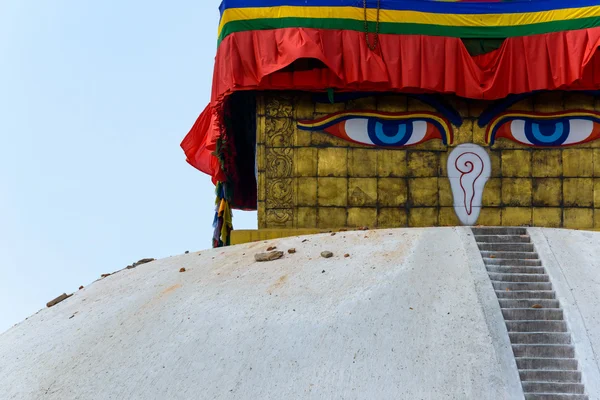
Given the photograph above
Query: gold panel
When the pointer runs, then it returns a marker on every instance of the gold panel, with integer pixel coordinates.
(418, 106)
(547, 192)
(261, 214)
(479, 134)
(578, 162)
(496, 162)
(463, 133)
(391, 163)
(445, 192)
(447, 217)
(547, 217)
(597, 193)
(392, 103)
(419, 217)
(332, 192)
(548, 102)
(423, 192)
(362, 192)
(391, 192)
(307, 217)
(578, 192)
(578, 218)
(596, 158)
(318, 181)
(490, 216)
(516, 216)
(333, 162)
(331, 217)
(492, 195)
(523, 105)
(323, 139)
(307, 191)
(362, 216)
(516, 191)
(578, 101)
(305, 107)
(302, 138)
(306, 161)
(363, 103)
(546, 163)
(516, 163)
(423, 163)
(329, 108)
(391, 217)
(362, 162)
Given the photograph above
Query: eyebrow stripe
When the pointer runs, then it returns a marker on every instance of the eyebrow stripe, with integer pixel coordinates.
(501, 119)
(332, 119)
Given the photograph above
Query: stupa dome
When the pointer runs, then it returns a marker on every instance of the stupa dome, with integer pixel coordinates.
(393, 314)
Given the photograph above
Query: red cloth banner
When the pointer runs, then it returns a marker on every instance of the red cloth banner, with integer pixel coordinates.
(255, 60)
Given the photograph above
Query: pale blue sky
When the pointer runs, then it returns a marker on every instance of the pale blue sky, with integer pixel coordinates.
(95, 98)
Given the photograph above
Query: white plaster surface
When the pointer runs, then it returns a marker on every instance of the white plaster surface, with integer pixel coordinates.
(406, 316)
(572, 259)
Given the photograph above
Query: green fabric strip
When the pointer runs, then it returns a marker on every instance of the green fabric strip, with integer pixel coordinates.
(400, 28)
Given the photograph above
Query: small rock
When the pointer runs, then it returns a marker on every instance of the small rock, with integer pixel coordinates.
(326, 254)
(305, 240)
(346, 255)
(271, 248)
(57, 300)
(323, 271)
(80, 287)
(270, 256)
(182, 270)
(291, 251)
(105, 275)
(187, 252)
(333, 234)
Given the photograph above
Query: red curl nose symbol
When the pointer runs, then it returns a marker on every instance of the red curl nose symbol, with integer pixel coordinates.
(468, 171)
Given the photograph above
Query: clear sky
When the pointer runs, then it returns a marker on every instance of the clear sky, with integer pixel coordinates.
(95, 98)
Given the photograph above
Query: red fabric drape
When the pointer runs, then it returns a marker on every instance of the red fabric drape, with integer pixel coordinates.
(253, 60)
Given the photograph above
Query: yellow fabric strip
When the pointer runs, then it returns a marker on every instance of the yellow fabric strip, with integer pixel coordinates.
(409, 17)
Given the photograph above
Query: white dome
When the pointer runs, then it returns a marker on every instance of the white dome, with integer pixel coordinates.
(410, 314)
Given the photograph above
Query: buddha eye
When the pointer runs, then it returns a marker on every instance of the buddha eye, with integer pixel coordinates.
(383, 129)
(546, 130)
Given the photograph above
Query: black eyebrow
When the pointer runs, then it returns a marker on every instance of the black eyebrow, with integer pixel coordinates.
(434, 101)
(501, 105)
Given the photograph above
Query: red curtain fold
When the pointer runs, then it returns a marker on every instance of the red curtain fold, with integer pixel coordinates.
(254, 60)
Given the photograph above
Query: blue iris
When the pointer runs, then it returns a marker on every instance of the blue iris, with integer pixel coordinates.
(547, 133)
(389, 133)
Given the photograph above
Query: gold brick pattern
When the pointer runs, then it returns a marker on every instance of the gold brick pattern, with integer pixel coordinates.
(314, 180)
